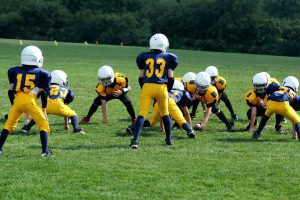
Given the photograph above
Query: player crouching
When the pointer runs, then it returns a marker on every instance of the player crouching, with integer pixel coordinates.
(58, 99)
(208, 94)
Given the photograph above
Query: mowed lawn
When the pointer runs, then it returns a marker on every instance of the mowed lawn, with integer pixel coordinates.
(100, 164)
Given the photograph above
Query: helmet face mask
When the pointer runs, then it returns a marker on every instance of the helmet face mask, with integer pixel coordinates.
(213, 80)
(203, 82)
(32, 55)
(106, 75)
(159, 42)
(260, 83)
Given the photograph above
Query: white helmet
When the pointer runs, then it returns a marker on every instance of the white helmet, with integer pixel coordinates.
(59, 77)
(260, 82)
(177, 85)
(213, 73)
(106, 75)
(202, 82)
(291, 82)
(188, 77)
(267, 75)
(159, 41)
(32, 55)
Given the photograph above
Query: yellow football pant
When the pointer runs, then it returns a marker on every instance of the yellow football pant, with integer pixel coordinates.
(174, 110)
(282, 108)
(57, 107)
(26, 103)
(151, 91)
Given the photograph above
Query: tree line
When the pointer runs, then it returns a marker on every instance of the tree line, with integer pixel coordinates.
(249, 26)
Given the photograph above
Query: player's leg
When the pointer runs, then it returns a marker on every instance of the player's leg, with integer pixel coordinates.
(10, 125)
(227, 102)
(129, 107)
(66, 111)
(177, 115)
(162, 98)
(216, 110)
(92, 110)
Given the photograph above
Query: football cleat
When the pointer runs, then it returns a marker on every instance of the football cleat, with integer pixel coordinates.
(5, 117)
(130, 129)
(78, 131)
(230, 127)
(175, 126)
(191, 134)
(168, 142)
(256, 135)
(134, 144)
(234, 117)
(278, 128)
(193, 115)
(25, 129)
(85, 120)
(47, 154)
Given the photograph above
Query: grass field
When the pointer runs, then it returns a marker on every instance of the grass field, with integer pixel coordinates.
(100, 164)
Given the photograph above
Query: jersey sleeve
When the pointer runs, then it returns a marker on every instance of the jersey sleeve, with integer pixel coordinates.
(100, 90)
(70, 97)
(221, 84)
(173, 61)
(140, 61)
(251, 98)
(211, 95)
(272, 88)
(11, 75)
(121, 80)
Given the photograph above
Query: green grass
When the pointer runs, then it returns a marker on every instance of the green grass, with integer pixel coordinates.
(100, 165)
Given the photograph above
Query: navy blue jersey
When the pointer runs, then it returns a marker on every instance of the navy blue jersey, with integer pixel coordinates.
(272, 88)
(296, 103)
(58, 91)
(156, 65)
(181, 97)
(26, 78)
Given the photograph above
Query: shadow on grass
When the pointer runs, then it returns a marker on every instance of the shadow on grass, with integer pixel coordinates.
(243, 140)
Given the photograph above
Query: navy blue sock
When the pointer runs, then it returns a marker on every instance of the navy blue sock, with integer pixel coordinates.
(138, 127)
(146, 123)
(44, 141)
(167, 124)
(262, 124)
(187, 127)
(297, 129)
(3, 137)
(74, 121)
(30, 124)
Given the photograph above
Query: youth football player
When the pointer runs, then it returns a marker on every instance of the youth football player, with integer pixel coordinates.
(156, 79)
(111, 86)
(26, 82)
(208, 94)
(279, 103)
(58, 99)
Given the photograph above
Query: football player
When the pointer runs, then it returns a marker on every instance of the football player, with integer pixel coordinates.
(255, 98)
(111, 86)
(156, 79)
(208, 94)
(58, 99)
(179, 100)
(26, 82)
(279, 99)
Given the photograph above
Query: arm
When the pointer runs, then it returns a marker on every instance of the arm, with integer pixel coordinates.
(170, 79)
(11, 93)
(104, 114)
(187, 115)
(207, 115)
(252, 118)
(141, 78)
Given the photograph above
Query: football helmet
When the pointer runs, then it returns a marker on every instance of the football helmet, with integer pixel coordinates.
(202, 82)
(177, 85)
(188, 77)
(32, 55)
(59, 77)
(106, 75)
(260, 82)
(291, 82)
(159, 42)
(213, 73)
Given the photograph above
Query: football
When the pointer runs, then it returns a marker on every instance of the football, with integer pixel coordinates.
(198, 126)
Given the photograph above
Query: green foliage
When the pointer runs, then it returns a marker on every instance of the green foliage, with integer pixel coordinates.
(100, 165)
(252, 26)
